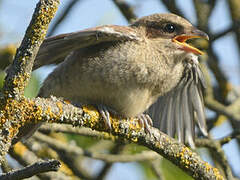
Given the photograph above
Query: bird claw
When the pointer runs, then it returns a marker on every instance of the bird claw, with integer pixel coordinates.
(105, 114)
(145, 121)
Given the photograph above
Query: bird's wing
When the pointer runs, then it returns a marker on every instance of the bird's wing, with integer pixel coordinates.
(54, 49)
(177, 112)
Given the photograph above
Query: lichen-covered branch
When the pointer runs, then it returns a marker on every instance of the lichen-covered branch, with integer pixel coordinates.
(57, 111)
(19, 73)
(16, 111)
(216, 148)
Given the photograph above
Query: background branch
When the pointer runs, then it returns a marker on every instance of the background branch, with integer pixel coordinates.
(62, 16)
(31, 170)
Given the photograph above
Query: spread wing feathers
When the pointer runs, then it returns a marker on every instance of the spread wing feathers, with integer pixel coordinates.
(177, 112)
(54, 49)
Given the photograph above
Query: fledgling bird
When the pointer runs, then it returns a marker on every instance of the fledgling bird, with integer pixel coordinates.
(125, 69)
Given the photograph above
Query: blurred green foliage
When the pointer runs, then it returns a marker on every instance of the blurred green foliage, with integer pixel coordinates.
(172, 172)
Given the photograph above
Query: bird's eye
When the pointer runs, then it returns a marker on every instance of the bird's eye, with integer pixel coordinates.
(169, 28)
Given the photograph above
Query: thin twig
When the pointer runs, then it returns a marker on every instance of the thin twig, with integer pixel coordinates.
(107, 167)
(109, 158)
(172, 7)
(24, 156)
(62, 17)
(227, 139)
(64, 128)
(69, 162)
(125, 9)
(155, 164)
(31, 170)
(221, 34)
(5, 166)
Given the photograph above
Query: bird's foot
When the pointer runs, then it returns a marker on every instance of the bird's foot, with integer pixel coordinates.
(145, 121)
(105, 114)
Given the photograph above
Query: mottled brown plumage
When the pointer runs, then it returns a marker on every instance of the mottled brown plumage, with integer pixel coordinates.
(125, 69)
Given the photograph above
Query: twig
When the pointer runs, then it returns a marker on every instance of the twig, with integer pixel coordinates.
(64, 128)
(62, 17)
(25, 157)
(222, 109)
(5, 166)
(125, 9)
(31, 170)
(203, 12)
(172, 7)
(215, 147)
(109, 158)
(74, 163)
(155, 164)
(69, 162)
(227, 139)
(234, 6)
(107, 167)
(221, 34)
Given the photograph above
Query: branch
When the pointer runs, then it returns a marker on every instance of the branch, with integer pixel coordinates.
(62, 16)
(221, 34)
(25, 157)
(227, 139)
(203, 12)
(6, 55)
(19, 72)
(155, 164)
(5, 166)
(57, 111)
(234, 6)
(31, 170)
(216, 148)
(172, 7)
(17, 110)
(108, 158)
(228, 111)
(231, 111)
(69, 163)
(116, 149)
(125, 9)
(64, 128)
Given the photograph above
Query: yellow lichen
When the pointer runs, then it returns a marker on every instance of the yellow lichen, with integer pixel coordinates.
(17, 113)
(60, 108)
(93, 113)
(19, 149)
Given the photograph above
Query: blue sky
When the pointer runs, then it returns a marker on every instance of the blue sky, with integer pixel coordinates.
(15, 16)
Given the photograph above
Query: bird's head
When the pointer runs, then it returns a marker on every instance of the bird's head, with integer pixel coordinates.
(169, 33)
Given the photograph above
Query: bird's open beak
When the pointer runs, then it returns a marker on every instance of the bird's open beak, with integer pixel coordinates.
(195, 33)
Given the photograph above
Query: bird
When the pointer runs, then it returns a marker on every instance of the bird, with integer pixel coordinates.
(129, 70)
